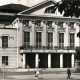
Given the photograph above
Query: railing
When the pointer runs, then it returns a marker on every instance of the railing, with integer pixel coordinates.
(49, 48)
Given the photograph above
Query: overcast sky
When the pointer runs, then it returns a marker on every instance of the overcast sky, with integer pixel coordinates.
(26, 2)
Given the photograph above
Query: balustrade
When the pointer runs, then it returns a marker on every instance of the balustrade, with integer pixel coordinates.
(27, 47)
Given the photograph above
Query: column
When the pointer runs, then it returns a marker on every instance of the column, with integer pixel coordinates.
(61, 60)
(72, 60)
(55, 34)
(24, 60)
(44, 34)
(49, 60)
(32, 33)
(37, 62)
(66, 34)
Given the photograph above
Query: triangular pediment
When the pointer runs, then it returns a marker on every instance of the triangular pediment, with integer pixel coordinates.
(39, 8)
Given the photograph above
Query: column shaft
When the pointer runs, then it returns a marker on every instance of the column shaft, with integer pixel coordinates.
(49, 60)
(72, 60)
(37, 62)
(61, 60)
(24, 60)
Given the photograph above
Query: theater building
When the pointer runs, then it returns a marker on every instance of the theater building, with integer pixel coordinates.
(38, 39)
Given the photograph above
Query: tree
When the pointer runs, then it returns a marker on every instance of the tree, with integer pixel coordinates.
(69, 8)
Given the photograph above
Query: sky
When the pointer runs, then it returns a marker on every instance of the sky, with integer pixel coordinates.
(28, 2)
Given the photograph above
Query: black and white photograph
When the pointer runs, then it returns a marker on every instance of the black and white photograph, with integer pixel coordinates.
(39, 39)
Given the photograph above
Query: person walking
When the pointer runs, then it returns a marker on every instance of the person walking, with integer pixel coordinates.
(68, 73)
(37, 73)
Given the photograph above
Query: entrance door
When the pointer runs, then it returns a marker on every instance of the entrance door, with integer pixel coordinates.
(43, 63)
(66, 60)
(30, 60)
(55, 60)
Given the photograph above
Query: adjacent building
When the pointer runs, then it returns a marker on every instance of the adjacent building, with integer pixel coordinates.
(32, 38)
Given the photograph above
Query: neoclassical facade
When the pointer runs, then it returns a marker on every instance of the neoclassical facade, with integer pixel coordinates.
(37, 39)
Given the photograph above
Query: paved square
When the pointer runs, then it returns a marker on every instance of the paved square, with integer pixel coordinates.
(42, 76)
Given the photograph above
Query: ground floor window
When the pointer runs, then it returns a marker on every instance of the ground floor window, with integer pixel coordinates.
(5, 60)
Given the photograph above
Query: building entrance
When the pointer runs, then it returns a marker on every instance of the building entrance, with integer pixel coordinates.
(30, 60)
(43, 60)
(66, 60)
(55, 60)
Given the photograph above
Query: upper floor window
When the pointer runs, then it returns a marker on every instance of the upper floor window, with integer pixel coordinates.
(38, 39)
(50, 39)
(72, 40)
(27, 38)
(61, 40)
(5, 60)
(4, 41)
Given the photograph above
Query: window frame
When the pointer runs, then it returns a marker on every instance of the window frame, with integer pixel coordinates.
(4, 41)
(50, 39)
(27, 39)
(72, 40)
(5, 60)
(38, 39)
(61, 40)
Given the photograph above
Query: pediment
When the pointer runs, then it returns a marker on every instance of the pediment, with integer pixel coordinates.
(39, 8)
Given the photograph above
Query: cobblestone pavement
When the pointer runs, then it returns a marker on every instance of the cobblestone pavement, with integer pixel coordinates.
(45, 76)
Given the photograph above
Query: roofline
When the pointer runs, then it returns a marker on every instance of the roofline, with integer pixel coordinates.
(48, 16)
(37, 5)
(14, 20)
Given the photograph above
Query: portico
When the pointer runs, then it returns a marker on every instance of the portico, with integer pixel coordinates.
(48, 60)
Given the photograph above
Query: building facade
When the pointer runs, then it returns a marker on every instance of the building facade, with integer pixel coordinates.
(37, 39)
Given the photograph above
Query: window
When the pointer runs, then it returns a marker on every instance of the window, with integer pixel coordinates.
(61, 40)
(38, 39)
(50, 39)
(4, 41)
(5, 60)
(72, 41)
(27, 39)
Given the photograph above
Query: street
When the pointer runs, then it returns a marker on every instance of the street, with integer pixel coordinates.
(43, 76)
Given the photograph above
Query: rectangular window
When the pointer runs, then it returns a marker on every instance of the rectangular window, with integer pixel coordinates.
(61, 40)
(38, 39)
(4, 41)
(27, 39)
(5, 60)
(50, 39)
(72, 44)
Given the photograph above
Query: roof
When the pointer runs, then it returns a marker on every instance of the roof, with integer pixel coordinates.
(8, 12)
(38, 6)
(13, 8)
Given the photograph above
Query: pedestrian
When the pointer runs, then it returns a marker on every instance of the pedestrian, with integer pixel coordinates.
(68, 73)
(37, 73)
